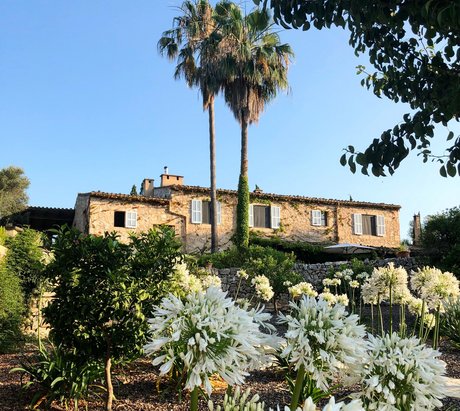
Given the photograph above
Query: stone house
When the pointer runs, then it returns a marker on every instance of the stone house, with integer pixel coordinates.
(187, 209)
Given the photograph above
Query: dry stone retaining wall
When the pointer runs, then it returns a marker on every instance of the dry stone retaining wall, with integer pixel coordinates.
(312, 273)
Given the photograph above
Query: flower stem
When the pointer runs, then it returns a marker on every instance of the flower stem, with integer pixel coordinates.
(422, 321)
(298, 387)
(391, 312)
(194, 400)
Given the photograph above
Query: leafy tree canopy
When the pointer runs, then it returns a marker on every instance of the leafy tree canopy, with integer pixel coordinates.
(414, 48)
(13, 186)
(441, 239)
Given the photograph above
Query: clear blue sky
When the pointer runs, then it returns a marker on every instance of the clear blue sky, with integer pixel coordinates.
(86, 103)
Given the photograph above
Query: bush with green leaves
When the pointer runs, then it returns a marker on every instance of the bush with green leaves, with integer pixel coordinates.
(450, 321)
(277, 266)
(104, 290)
(231, 257)
(60, 375)
(11, 308)
(26, 259)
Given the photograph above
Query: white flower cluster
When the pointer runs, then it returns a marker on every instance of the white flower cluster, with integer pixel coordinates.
(211, 281)
(242, 274)
(324, 339)
(206, 334)
(331, 282)
(240, 401)
(309, 405)
(354, 284)
(263, 288)
(377, 287)
(332, 299)
(401, 374)
(302, 288)
(434, 286)
(346, 274)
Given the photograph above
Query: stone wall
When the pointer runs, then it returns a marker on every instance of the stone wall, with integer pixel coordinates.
(96, 216)
(315, 273)
(312, 273)
(295, 220)
(345, 233)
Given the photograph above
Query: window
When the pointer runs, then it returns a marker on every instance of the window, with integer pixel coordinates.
(366, 224)
(264, 216)
(201, 212)
(318, 218)
(126, 219)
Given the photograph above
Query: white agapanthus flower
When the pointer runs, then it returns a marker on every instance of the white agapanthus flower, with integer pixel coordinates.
(211, 281)
(420, 277)
(208, 333)
(439, 289)
(377, 286)
(324, 339)
(328, 282)
(309, 405)
(354, 284)
(302, 288)
(402, 374)
(242, 274)
(263, 288)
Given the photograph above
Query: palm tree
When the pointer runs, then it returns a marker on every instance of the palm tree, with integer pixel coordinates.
(255, 69)
(197, 62)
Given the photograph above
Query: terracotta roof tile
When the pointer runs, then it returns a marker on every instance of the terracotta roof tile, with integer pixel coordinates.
(126, 197)
(282, 197)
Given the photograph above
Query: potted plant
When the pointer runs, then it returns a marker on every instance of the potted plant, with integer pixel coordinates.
(403, 251)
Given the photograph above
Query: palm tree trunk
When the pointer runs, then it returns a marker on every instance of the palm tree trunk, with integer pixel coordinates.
(242, 208)
(212, 163)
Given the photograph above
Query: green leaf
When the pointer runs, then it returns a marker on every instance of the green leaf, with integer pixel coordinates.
(442, 171)
(451, 169)
(450, 136)
(343, 160)
(352, 165)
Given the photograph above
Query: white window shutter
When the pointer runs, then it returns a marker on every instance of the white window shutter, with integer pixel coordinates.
(380, 225)
(315, 217)
(219, 212)
(196, 211)
(131, 219)
(251, 215)
(357, 224)
(275, 212)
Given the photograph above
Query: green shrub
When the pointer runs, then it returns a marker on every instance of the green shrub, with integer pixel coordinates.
(224, 259)
(242, 215)
(25, 258)
(276, 265)
(104, 290)
(305, 252)
(59, 375)
(11, 309)
(450, 324)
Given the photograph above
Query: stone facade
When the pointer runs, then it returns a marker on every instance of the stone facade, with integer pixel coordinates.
(295, 218)
(172, 205)
(95, 214)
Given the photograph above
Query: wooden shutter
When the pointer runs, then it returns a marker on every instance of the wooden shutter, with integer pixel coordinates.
(131, 219)
(251, 215)
(196, 211)
(380, 225)
(275, 213)
(315, 217)
(357, 224)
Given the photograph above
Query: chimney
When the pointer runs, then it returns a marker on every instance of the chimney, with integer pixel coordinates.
(147, 187)
(416, 229)
(170, 179)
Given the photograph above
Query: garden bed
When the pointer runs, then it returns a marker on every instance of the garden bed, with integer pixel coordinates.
(136, 387)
